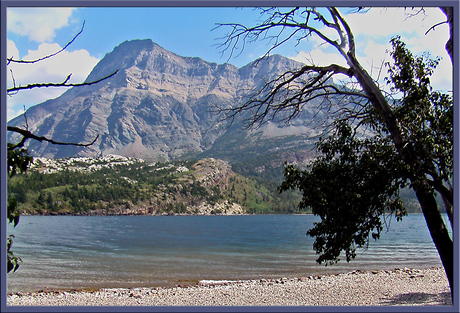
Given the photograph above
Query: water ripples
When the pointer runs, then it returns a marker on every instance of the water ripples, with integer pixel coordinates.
(89, 252)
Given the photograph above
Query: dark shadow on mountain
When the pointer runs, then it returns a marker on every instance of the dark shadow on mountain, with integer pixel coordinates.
(419, 298)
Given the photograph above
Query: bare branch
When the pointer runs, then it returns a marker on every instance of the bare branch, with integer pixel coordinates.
(61, 84)
(11, 60)
(419, 11)
(289, 92)
(349, 33)
(435, 25)
(25, 118)
(241, 34)
(14, 84)
(28, 135)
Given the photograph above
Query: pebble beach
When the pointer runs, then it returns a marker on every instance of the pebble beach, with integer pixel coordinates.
(398, 287)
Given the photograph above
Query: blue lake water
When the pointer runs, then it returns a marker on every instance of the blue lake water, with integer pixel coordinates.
(73, 252)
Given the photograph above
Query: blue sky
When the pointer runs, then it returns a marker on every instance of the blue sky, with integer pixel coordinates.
(35, 32)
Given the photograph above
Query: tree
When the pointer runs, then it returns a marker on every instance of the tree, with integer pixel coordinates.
(379, 144)
(19, 158)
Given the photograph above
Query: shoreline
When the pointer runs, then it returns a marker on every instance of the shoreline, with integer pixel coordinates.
(159, 214)
(174, 214)
(357, 288)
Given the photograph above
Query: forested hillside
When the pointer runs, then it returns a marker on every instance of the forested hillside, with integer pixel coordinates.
(122, 185)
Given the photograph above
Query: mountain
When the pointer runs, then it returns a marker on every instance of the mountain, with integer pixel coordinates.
(158, 107)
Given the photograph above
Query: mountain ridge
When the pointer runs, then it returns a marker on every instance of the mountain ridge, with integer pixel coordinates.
(157, 107)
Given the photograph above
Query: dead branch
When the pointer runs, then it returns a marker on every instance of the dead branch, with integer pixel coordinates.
(28, 135)
(434, 26)
(289, 92)
(61, 84)
(11, 60)
(294, 22)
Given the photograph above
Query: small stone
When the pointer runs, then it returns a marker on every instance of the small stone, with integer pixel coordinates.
(133, 295)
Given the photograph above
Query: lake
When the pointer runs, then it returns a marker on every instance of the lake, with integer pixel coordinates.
(74, 252)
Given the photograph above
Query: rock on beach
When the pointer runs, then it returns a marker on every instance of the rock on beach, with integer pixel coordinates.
(399, 287)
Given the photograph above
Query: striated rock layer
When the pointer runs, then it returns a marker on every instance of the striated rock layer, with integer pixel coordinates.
(158, 107)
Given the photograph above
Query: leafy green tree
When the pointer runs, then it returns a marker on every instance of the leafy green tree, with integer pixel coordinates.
(356, 178)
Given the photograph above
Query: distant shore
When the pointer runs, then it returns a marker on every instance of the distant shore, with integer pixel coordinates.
(155, 214)
(358, 288)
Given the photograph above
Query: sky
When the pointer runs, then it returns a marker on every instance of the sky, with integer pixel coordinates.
(34, 32)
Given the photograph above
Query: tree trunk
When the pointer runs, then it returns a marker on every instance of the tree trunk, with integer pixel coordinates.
(431, 212)
(449, 211)
(449, 12)
(438, 230)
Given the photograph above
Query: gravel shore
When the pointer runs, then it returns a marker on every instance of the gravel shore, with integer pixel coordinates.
(357, 288)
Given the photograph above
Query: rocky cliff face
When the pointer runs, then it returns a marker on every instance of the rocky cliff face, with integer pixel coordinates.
(158, 107)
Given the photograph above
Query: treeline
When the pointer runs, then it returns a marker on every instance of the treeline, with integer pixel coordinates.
(141, 188)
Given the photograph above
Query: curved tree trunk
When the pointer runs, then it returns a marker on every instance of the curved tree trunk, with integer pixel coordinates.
(438, 230)
(430, 209)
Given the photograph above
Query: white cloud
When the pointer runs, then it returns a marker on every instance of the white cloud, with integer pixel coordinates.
(398, 20)
(38, 24)
(374, 56)
(373, 31)
(11, 50)
(319, 57)
(380, 24)
(55, 69)
(434, 43)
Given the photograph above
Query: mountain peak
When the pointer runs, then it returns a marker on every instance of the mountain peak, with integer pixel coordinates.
(121, 57)
(136, 44)
(157, 107)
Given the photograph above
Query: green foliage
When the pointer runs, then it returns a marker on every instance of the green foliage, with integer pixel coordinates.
(350, 186)
(13, 261)
(18, 160)
(426, 116)
(140, 187)
(355, 182)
